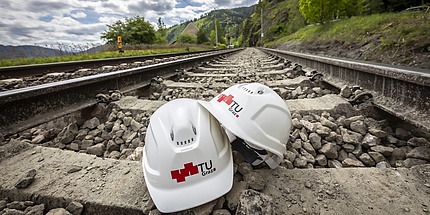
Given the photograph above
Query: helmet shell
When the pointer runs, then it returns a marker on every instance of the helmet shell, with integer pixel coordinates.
(187, 159)
(256, 114)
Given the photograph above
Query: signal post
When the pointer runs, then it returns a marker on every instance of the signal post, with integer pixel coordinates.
(120, 45)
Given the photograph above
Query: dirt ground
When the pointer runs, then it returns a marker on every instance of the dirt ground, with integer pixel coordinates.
(349, 191)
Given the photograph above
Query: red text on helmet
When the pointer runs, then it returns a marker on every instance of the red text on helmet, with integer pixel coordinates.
(190, 169)
(234, 108)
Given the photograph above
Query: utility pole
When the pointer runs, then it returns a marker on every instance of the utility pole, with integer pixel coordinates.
(216, 28)
(216, 31)
(262, 34)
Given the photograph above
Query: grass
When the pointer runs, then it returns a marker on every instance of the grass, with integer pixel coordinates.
(393, 29)
(101, 55)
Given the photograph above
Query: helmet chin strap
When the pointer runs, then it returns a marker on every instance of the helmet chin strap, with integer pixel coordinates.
(271, 160)
(255, 156)
(252, 155)
(248, 154)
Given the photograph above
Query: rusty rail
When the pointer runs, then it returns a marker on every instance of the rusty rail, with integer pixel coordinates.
(408, 88)
(34, 105)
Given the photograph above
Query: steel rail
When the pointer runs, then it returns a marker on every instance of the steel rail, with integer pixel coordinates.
(40, 69)
(407, 88)
(31, 106)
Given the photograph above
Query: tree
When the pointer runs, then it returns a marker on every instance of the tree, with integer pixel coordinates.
(201, 36)
(350, 8)
(133, 31)
(221, 39)
(115, 30)
(240, 40)
(212, 36)
(186, 38)
(161, 32)
(319, 11)
(399, 5)
(374, 6)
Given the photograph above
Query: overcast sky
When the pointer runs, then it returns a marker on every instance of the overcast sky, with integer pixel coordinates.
(45, 22)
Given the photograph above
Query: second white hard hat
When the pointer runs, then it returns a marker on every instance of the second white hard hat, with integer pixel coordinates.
(256, 114)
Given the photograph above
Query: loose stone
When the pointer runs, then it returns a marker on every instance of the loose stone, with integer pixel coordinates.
(329, 150)
(370, 140)
(26, 180)
(255, 181)
(251, 201)
(403, 134)
(367, 160)
(75, 208)
(421, 152)
(352, 163)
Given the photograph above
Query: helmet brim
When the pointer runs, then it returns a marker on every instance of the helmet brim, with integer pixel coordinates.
(233, 128)
(186, 197)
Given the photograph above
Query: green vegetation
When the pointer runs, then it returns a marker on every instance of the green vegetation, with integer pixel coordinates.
(129, 51)
(320, 11)
(283, 18)
(231, 23)
(287, 19)
(336, 21)
(187, 38)
(202, 37)
(393, 30)
(220, 33)
(280, 18)
(161, 32)
(135, 31)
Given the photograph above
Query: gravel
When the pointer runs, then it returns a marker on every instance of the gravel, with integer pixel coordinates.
(16, 83)
(352, 143)
(30, 208)
(317, 140)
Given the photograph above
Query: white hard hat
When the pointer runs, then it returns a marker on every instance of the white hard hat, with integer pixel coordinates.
(187, 159)
(255, 113)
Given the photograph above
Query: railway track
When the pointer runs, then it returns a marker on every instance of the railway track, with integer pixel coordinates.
(403, 92)
(29, 106)
(14, 73)
(334, 127)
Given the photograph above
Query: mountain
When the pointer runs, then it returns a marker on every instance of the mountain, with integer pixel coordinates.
(11, 52)
(232, 27)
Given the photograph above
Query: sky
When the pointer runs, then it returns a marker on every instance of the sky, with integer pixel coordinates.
(78, 22)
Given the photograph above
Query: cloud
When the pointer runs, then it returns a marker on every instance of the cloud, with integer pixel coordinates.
(109, 19)
(161, 6)
(24, 22)
(110, 6)
(93, 0)
(21, 31)
(233, 3)
(79, 15)
(86, 30)
(64, 21)
(46, 5)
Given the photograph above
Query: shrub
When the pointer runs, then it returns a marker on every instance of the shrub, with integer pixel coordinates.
(187, 38)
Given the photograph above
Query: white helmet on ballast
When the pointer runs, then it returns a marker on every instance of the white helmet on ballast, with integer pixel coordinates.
(187, 159)
(258, 115)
